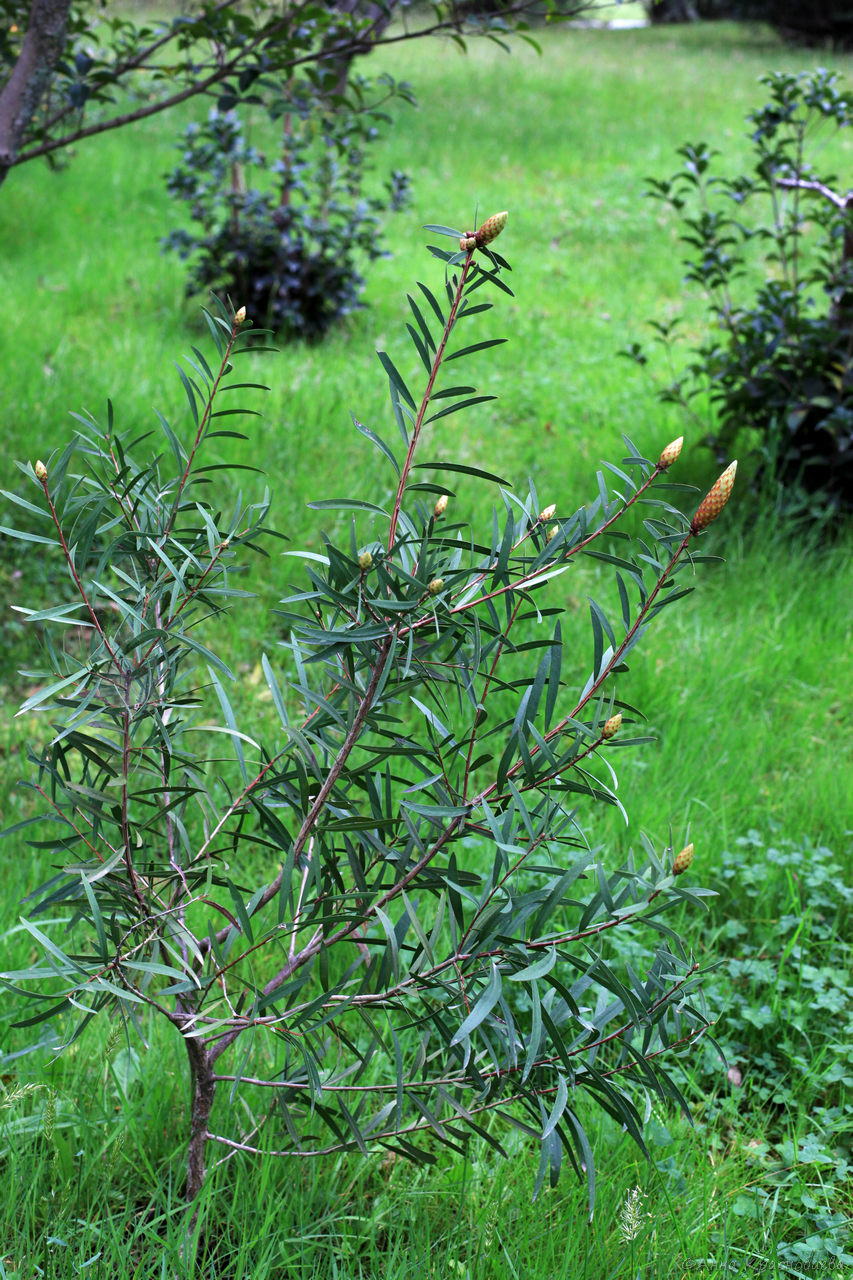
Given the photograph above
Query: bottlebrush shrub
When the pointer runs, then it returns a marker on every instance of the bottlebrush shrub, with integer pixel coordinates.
(291, 242)
(383, 928)
(779, 359)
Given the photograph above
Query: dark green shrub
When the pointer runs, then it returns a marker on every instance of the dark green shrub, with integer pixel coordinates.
(293, 247)
(778, 363)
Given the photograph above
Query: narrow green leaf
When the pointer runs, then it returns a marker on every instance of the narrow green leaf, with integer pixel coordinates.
(477, 346)
(377, 440)
(396, 378)
(23, 536)
(538, 969)
(482, 1008)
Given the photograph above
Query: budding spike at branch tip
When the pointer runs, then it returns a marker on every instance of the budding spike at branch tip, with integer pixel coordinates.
(441, 505)
(491, 228)
(41, 471)
(240, 316)
(546, 515)
(611, 726)
(714, 501)
(670, 453)
(682, 860)
(435, 586)
(365, 560)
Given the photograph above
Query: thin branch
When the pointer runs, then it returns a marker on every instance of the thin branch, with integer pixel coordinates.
(416, 430)
(353, 47)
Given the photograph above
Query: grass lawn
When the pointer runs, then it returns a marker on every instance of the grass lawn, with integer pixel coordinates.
(745, 683)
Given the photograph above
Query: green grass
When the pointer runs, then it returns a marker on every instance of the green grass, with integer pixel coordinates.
(745, 683)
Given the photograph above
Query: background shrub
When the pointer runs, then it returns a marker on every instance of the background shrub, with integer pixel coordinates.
(778, 364)
(292, 248)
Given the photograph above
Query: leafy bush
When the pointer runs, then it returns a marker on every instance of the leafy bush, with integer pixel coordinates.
(779, 362)
(292, 250)
(384, 928)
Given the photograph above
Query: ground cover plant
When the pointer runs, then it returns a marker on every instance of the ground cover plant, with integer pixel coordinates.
(89, 310)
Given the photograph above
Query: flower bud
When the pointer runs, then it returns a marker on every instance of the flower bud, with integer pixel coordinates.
(41, 471)
(611, 726)
(670, 453)
(714, 501)
(365, 560)
(441, 505)
(468, 243)
(682, 860)
(435, 586)
(240, 316)
(552, 533)
(548, 512)
(491, 228)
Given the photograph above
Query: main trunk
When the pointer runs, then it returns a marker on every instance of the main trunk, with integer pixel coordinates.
(204, 1088)
(23, 92)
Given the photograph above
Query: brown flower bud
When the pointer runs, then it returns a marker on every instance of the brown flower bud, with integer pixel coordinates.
(365, 560)
(240, 316)
(670, 453)
(714, 501)
(491, 228)
(682, 860)
(441, 505)
(552, 533)
(548, 512)
(41, 471)
(435, 586)
(611, 726)
(467, 243)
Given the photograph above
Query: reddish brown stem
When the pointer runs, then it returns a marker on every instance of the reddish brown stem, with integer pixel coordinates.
(416, 430)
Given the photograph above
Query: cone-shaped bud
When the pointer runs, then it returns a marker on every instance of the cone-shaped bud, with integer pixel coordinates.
(670, 453)
(491, 228)
(240, 316)
(714, 501)
(682, 860)
(467, 243)
(611, 726)
(552, 533)
(548, 512)
(441, 505)
(365, 560)
(435, 586)
(41, 471)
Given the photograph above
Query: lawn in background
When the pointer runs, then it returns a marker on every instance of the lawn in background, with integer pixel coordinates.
(745, 683)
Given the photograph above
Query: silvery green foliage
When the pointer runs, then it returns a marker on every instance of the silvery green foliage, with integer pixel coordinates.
(388, 913)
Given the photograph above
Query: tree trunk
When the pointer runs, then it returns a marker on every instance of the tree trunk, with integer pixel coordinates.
(379, 16)
(43, 46)
(204, 1088)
